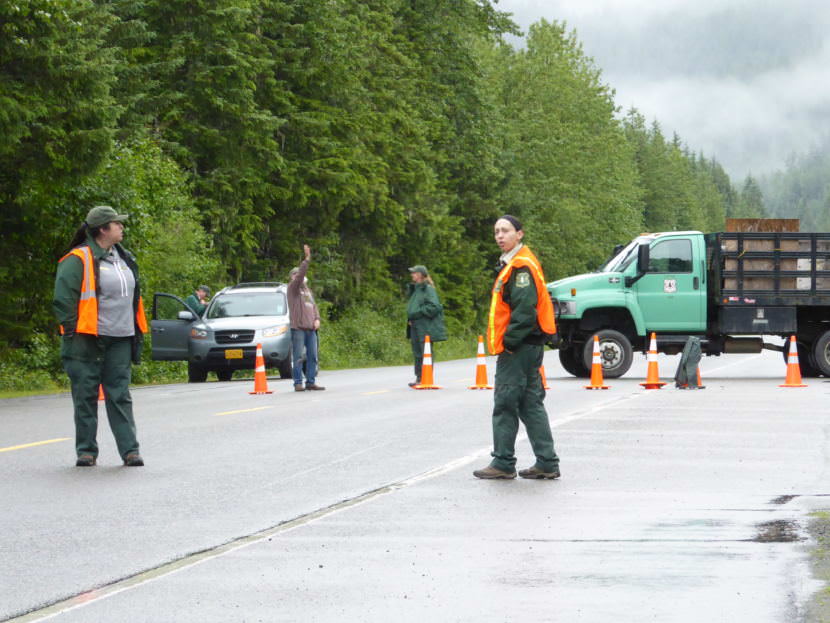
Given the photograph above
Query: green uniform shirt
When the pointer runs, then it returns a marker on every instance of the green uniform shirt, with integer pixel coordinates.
(193, 303)
(520, 294)
(425, 312)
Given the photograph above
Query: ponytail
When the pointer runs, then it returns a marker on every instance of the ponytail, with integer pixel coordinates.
(81, 235)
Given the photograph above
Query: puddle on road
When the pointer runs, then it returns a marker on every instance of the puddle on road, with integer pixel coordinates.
(779, 531)
(782, 499)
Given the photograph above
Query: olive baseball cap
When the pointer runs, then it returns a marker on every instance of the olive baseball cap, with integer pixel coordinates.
(101, 215)
(419, 268)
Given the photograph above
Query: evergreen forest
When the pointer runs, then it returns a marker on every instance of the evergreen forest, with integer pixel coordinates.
(383, 133)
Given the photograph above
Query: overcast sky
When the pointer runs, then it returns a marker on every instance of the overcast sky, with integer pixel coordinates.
(745, 81)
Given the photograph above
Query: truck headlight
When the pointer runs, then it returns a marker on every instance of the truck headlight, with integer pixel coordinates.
(564, 308)
(198, 334)
(274, 331)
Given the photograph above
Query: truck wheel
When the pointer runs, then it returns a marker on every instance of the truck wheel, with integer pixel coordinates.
(615, 352)
(806, 361)
(571, 360)
(821, 353)
(196, 373)
(224, 375)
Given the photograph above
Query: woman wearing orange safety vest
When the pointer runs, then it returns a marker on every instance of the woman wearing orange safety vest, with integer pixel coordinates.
(520, 322)
(98, 304)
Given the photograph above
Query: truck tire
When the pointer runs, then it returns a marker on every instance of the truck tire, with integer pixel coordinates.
(615, 352)
(571, 360)
(224, 375)
(821, 353)
(806, 360)
(196, 373)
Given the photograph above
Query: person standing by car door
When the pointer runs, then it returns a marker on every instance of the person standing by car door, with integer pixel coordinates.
(520, 322)
(198, 301)
(305, 322)
(425, 316)
(97, 302)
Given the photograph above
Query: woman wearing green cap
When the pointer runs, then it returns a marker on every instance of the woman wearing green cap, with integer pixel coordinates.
(98, 304)
(425, 316)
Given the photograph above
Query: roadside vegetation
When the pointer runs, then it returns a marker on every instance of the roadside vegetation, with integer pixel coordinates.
(382, 133)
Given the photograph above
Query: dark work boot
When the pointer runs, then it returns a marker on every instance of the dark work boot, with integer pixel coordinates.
(133, 459)
(85, 460)
(535, 472)
(492, 473)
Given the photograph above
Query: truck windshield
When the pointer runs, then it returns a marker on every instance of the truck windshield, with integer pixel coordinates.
(621, 260)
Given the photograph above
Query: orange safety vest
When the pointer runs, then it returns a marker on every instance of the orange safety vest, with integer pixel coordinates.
(88, 302)
(499, 317)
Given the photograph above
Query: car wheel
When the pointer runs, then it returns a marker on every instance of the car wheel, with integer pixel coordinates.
(571, 360)
(615, 353)
(196, 373)
(224, 375)
(285, 368)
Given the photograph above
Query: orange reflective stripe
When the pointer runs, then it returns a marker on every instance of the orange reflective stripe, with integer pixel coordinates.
(88, 300)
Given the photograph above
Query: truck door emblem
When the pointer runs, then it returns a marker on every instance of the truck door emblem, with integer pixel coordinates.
(613, 280)
(669, 285)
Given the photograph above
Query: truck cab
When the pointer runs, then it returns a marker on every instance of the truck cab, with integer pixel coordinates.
(655, 283)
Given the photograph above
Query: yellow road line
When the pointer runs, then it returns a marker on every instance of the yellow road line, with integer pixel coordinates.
(243, 410)
(32, 445)
(382, 391)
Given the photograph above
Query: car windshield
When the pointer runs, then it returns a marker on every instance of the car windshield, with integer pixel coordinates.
(235, 304)
(621, 260)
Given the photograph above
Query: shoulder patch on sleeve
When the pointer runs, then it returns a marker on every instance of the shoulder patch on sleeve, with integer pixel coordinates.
(522, 280)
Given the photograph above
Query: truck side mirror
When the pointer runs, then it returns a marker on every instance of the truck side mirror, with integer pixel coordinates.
(643, 258)
(185, 315)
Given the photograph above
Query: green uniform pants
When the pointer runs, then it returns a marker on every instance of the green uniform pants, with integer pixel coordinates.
(417, 340)
(519, 395)
(110, 366)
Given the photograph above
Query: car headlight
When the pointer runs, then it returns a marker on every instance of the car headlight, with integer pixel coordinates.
(198, 334)
(275, 331)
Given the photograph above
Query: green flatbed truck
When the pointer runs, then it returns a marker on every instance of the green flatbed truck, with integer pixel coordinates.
(730, 289)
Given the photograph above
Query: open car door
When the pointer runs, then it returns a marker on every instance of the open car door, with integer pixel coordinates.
(170, 327)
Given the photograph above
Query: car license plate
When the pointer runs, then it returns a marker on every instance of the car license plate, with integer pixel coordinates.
(233, 353)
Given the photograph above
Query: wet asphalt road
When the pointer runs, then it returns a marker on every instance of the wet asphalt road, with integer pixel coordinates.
(358, 503)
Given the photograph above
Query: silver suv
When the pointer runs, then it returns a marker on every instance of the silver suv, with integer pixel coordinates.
(224, 339)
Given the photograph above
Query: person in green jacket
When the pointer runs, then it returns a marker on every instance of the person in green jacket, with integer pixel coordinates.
(425, 316)
(198, 301)
(97, 301)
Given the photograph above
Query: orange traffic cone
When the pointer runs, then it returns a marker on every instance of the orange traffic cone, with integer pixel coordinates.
(544, 377)
(260, 380)
(652, 375)
(481, 368)
(427, 381)
(596, 369)
(101, 393)
(699, 384)
(793, 368)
